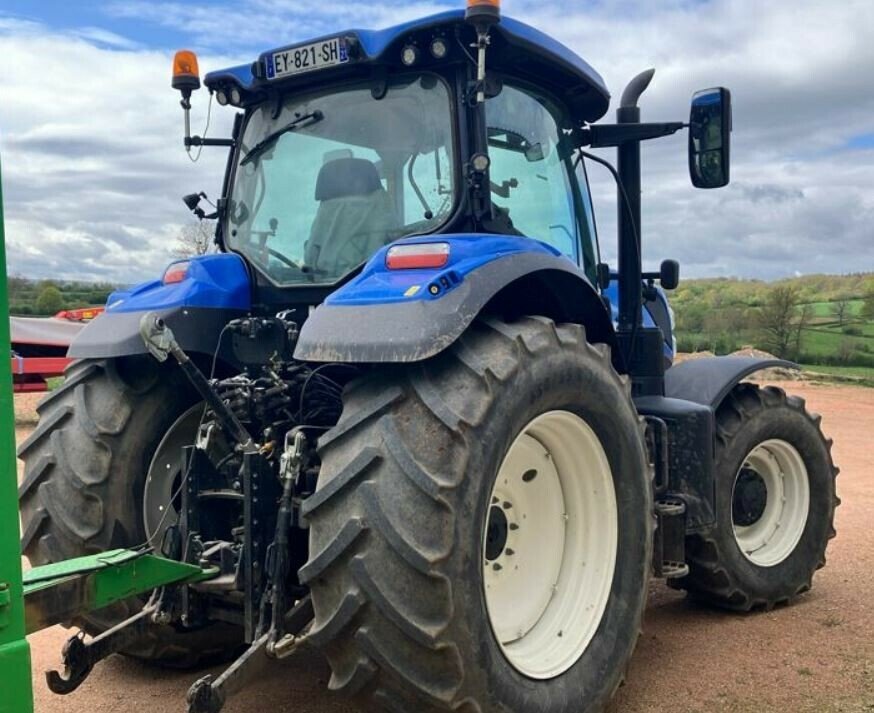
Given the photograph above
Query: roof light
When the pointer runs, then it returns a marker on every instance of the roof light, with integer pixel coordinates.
(439, 48)
(221, 97)
(176, 272)
(417, 256)
(236, 97)
(186, 74)
(488, 10)
(410, 55)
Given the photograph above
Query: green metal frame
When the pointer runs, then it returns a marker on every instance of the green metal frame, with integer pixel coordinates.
(15, 678)
(59, 592)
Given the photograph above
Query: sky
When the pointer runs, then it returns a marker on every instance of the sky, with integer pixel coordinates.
(91, 133)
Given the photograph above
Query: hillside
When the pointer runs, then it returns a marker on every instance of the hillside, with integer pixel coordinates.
(814, 319)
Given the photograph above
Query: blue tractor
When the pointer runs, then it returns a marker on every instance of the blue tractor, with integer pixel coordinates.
(404, 410)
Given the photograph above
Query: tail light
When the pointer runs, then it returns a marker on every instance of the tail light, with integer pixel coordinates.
(421, 255)
(177, 272)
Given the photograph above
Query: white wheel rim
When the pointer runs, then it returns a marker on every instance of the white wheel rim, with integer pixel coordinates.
(548, 582)
(776, 532)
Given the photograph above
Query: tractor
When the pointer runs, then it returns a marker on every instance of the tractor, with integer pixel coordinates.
(404, 413)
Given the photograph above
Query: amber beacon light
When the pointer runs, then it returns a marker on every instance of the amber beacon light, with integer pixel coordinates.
(186, 74)
(484, 10)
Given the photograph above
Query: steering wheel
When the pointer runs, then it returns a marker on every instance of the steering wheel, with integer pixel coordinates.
(282, 258)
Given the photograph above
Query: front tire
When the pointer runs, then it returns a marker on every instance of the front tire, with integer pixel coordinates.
(402, 527)
(775, 503)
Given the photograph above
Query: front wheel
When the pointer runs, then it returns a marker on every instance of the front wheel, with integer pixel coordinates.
(481, 533)
(775, 503)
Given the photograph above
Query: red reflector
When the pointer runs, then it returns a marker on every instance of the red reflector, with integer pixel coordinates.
(411, 257)
(177, 272)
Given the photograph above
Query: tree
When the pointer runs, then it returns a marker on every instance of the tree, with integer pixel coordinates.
(868, 305)
(50, 300)
(194, 239)
(805, 316)
(841, 310)
(778, 319)
(16, 285)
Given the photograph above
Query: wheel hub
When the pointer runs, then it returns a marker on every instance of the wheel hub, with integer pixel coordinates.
(496, 533)
(750, 498)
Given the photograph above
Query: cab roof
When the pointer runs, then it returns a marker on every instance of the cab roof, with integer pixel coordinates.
(517, 49)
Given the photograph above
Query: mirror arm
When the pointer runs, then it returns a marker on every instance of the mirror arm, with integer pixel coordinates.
(198, 141)
(604, 135)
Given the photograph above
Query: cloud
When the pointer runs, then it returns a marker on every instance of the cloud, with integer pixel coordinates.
(90, 132)
(93, 166)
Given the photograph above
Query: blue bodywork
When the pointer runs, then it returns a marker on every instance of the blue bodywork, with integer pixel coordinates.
(467, 253)
(612, 294)
(222, 281)
(216, 281)
(517, 46)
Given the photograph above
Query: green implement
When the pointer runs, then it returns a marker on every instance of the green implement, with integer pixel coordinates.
(17, 695)
(58, 592)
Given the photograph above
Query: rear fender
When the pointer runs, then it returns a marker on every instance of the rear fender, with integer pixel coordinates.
(214, 290)
(401, 316)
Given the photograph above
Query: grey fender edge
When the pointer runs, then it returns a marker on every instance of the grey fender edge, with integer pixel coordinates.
(709, 380)
(420, 329)
(117, 334)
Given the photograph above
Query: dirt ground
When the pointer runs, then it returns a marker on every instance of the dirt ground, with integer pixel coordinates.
(816, 655)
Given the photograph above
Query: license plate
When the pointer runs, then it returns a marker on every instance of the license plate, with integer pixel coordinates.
(298, 60)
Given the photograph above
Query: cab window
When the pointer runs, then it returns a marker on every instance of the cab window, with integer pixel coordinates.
(534, 188)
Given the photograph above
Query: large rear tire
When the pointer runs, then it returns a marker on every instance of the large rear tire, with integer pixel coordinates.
(421, 509)
(85, 468)
(775, 503)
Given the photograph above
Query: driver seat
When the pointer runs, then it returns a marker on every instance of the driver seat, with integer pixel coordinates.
(355, 217)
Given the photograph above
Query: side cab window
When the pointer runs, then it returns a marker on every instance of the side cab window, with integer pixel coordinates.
(536, 190)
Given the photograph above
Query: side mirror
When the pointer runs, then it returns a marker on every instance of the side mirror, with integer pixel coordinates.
(669, 275)
(710, 138)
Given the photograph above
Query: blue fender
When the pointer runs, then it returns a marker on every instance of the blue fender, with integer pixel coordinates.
(215, 289)
(397, 316)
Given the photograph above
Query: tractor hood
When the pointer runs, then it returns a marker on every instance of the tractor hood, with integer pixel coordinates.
(517, 49)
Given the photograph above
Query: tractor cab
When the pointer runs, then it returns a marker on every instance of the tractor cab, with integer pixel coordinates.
(355, 141)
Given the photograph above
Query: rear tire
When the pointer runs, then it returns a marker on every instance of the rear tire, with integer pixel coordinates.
(775, 503)
(84, 470)
(400, 526)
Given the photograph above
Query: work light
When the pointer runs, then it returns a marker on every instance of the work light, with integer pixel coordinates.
(410, 55)
(439, 49)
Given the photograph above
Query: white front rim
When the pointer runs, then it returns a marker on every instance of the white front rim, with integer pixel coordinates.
(780, 521)
(550, 542)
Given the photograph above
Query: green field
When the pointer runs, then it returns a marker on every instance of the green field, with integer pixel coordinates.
(857, 374)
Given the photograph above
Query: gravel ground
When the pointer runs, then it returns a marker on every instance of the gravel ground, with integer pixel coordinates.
(816, 655)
